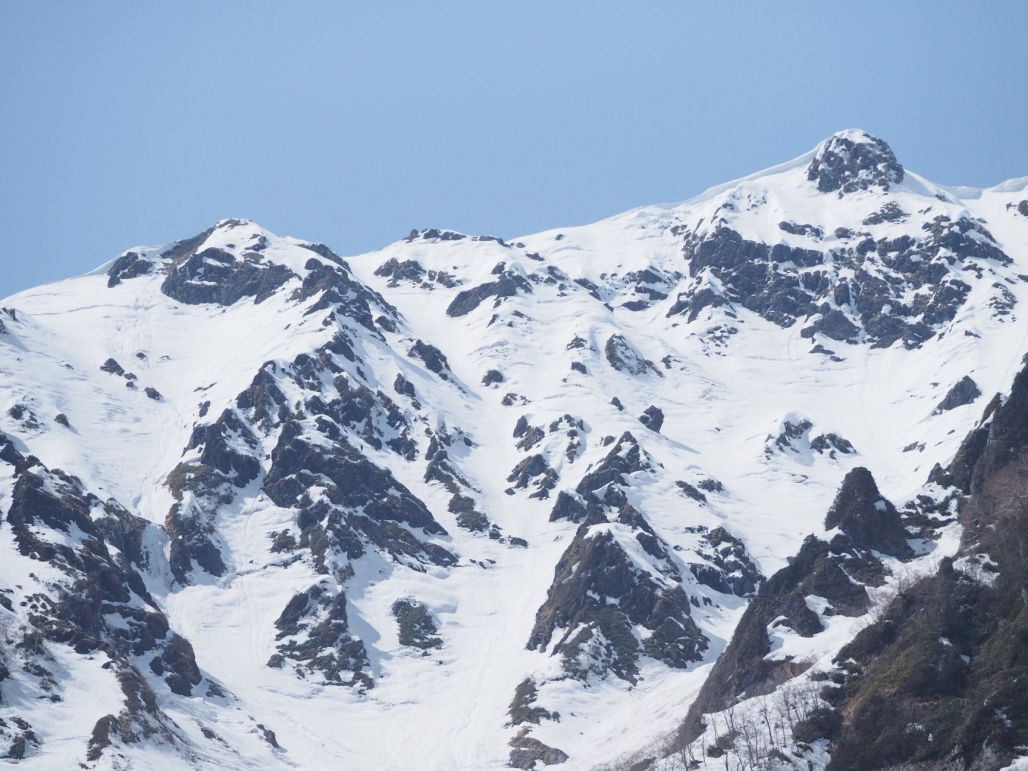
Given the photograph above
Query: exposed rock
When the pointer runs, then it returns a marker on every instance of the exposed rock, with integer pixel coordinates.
(364, 504)
(601, 481)
(417, 627)
(743, 669)
(534, 470)
(830, 444)
(836, 572)
(492, 377)
(433, 358)
(789, 438)
(342, 295)
(691, 491)
(947, 655)
(890, 212)
(711, 486)
(129, 265)
(598, 595)
(112, 367)
(508, 284)
(528, 751)
(412, 272)
(652, 418)
(852, 161)
(870, 521)
(623, 357)
(964, 391)
(25, 417)
(99, 607)
(322, 251)
(404, 387)
(802, 230)
(729, 568)
(897, 289)
(522, 707)
(434, 234)
(314, 634)
(216, 276)
(468, 516)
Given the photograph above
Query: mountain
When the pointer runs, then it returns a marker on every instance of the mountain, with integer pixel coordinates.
(597, 495)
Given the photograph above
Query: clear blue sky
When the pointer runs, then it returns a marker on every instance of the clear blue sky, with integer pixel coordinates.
(125, 122)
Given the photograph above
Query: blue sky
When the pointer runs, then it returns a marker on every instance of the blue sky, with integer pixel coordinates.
(124, 123)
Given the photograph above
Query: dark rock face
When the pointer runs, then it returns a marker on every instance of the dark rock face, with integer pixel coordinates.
(411, 271)
(790, 437)
(129, 265)
(602, 485)
(190, 525)
(434, 234)
(848, 164)
(216, 276)
(343, 296)
(314, 634)
(25, 417)
(527, 752)
(652, 418)
(948, 655)
(534, 470)
(433, 358)
(901, 289)
(729, 568)
(404, 387)
(321, 250)
(711, 486)
(202, 487)
(99, 608)
(964, 391)
(818, 569)
(112, 367)
(795, 229)
(508, 284)
(830, 444)
(890, 212)
(492, 377)
(365, 504)
(417, 627)
(623, 357)
(441, 469)
(523, 708)
(598, 593)
(691, 491)
(596, 598)
(868, 519)
(837, 571)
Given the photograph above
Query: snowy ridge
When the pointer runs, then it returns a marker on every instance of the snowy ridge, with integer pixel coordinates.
(465, 502)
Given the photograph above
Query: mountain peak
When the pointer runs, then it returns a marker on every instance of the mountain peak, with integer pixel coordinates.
(853, 160)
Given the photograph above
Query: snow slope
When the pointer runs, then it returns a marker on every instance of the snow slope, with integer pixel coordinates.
(756, 421)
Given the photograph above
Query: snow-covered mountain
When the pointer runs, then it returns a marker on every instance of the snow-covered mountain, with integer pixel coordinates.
(466, 502)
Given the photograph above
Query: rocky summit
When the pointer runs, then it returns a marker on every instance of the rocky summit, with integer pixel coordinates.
(738, 480)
